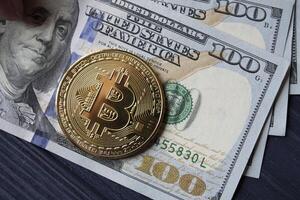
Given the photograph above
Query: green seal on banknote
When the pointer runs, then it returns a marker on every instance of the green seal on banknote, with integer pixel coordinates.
(179, 103)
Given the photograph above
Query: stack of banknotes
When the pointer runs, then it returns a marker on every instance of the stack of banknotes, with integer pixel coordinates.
(235, 59)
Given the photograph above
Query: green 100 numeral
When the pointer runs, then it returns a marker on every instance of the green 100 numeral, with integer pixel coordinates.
(170, 174)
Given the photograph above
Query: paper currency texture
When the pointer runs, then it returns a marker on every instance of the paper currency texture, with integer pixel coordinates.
(222, 90)
(295, 72)
(252, 21)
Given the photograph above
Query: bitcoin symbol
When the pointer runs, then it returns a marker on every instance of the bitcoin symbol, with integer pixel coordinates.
(109, 107)
(110, 104)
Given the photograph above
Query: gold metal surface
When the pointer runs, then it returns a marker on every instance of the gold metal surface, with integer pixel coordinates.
(110, 104)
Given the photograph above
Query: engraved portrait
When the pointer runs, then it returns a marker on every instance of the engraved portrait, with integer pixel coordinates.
(34, 53)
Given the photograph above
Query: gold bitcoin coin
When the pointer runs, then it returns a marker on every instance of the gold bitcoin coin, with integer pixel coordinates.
(110, 104)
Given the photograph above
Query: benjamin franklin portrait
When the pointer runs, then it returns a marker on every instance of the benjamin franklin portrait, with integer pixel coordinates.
(34, 53)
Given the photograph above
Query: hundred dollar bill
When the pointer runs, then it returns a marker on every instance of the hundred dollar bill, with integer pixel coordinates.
(295, 72)
(278, 122)
(254, 164)
(219, 89)
(264, 24)
(234, 18)
(252, 21)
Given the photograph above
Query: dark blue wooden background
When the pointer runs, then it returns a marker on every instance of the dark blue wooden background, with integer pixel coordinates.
(28, 172)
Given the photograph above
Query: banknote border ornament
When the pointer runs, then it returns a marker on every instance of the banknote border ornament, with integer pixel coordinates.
(101, 150)
(185, 106)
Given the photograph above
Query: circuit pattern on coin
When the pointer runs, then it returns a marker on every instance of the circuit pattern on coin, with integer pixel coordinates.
(110, 104)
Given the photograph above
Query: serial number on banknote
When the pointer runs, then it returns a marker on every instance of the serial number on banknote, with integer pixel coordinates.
(181, 152)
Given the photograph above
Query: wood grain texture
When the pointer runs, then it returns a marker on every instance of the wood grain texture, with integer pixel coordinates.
(28, 172)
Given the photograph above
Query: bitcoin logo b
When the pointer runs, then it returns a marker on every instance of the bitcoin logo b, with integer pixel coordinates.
(110, 101)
